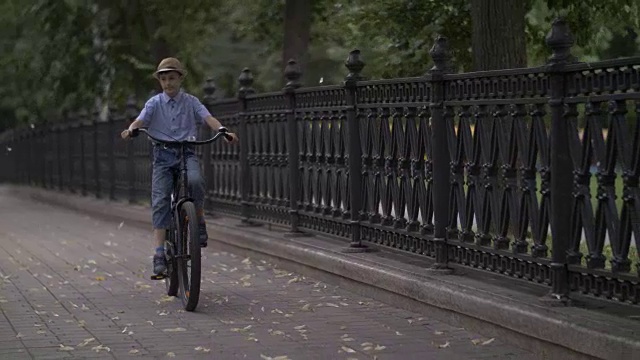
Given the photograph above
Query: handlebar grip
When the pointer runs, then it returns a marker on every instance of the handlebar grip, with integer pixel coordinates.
(134, 132)
(225, 131)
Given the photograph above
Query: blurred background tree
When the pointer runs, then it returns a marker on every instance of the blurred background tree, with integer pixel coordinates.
(61, 55)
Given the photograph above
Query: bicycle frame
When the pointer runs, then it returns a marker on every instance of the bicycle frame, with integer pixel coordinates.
(184, 193)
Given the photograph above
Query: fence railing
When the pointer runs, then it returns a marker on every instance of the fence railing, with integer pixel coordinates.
(531, 173)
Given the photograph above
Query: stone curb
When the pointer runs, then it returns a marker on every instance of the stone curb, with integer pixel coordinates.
(551, 332)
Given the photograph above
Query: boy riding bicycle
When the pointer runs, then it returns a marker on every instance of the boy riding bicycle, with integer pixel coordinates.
(173, 115)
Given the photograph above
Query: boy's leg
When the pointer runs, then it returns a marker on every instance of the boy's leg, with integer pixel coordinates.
(196, 184)
(161, 187)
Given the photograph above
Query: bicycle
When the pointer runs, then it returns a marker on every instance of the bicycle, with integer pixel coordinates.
(182, 243)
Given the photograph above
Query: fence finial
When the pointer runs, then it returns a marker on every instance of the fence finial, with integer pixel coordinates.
(355, 65)
(209, 89)
(560, 40)
(245, 80)
(292, 73)
(440, 55)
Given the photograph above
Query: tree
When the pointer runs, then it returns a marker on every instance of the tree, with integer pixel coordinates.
(297, 31)
(498, 38)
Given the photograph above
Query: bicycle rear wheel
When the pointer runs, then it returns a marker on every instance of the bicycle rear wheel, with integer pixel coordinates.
(189, 259)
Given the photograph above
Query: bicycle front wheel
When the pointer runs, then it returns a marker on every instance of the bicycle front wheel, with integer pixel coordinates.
(189, 259)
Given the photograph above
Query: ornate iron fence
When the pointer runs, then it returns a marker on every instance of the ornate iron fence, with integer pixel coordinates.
(532, 173)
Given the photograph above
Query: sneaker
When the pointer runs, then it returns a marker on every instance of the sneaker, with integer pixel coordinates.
(202, 228)
(159, 264)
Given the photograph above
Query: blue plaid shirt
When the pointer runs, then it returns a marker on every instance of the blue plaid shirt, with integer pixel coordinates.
(175, 118)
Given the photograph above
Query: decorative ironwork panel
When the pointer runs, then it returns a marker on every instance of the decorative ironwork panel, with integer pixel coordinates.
(502, 84)
(498, 136)
(268, 163)
(65, 149)
(321, 97)
(323, 166)
(120, 155)
(274, 101)
(395, 133)
(604, 78)
(75, 154)
(604, 117)
(223, 184)
(142, 169)
(88, 178)
(409, 90)
(104, 154)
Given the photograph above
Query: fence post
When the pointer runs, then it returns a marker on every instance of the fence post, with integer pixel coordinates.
(209, 89)
(355, 65)
(70, 138)
(83, 114)
(131, 112)
(111, 148)
(292, 74)
(245, 80)
(441, 157)
(58, 130)
(560, 40)
(96, 152)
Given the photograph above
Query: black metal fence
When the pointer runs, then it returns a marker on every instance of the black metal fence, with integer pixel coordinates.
(532, 173)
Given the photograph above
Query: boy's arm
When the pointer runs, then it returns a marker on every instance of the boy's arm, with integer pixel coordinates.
(216, 125)
(213, 122)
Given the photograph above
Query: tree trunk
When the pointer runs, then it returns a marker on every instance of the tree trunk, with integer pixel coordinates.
(297, 31)
(498, 39)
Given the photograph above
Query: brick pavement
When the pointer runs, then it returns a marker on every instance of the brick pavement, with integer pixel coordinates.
(73, 286)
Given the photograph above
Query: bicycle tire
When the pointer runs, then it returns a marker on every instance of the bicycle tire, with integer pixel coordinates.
(171, 281)
(190, 241)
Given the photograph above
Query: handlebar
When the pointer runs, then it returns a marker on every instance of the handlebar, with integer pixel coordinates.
(222, 131)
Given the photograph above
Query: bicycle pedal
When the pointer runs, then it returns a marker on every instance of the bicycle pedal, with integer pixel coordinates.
(159, 277)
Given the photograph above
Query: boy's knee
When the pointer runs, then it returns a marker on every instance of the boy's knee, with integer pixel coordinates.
(196, 181)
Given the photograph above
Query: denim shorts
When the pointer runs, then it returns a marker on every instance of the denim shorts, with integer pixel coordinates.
(166, 163)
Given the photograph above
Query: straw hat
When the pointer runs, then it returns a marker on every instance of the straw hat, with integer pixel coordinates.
(170, 64)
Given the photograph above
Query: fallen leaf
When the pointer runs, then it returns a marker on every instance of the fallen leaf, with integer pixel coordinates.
(438, 332)
(19, 335)
(332, 305)
(65, 348)
(379, 347)
(398, 333)
(86, 342)
(178, 329)
(348, 349)
(488, 341)
(150, 322)
(171, 354)
(281, 357)
(101, 348)
(100, 278)
(200, 348)
(134, 351)
(346, 337)
(300, 327)
(121, 225)
(445, 345)
(307, 307)
(246, 328)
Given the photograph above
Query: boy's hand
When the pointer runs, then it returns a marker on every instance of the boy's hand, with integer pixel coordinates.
(234, 138)
(126, 134)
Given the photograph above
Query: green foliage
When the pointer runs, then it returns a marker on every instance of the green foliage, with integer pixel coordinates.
(62, 55)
